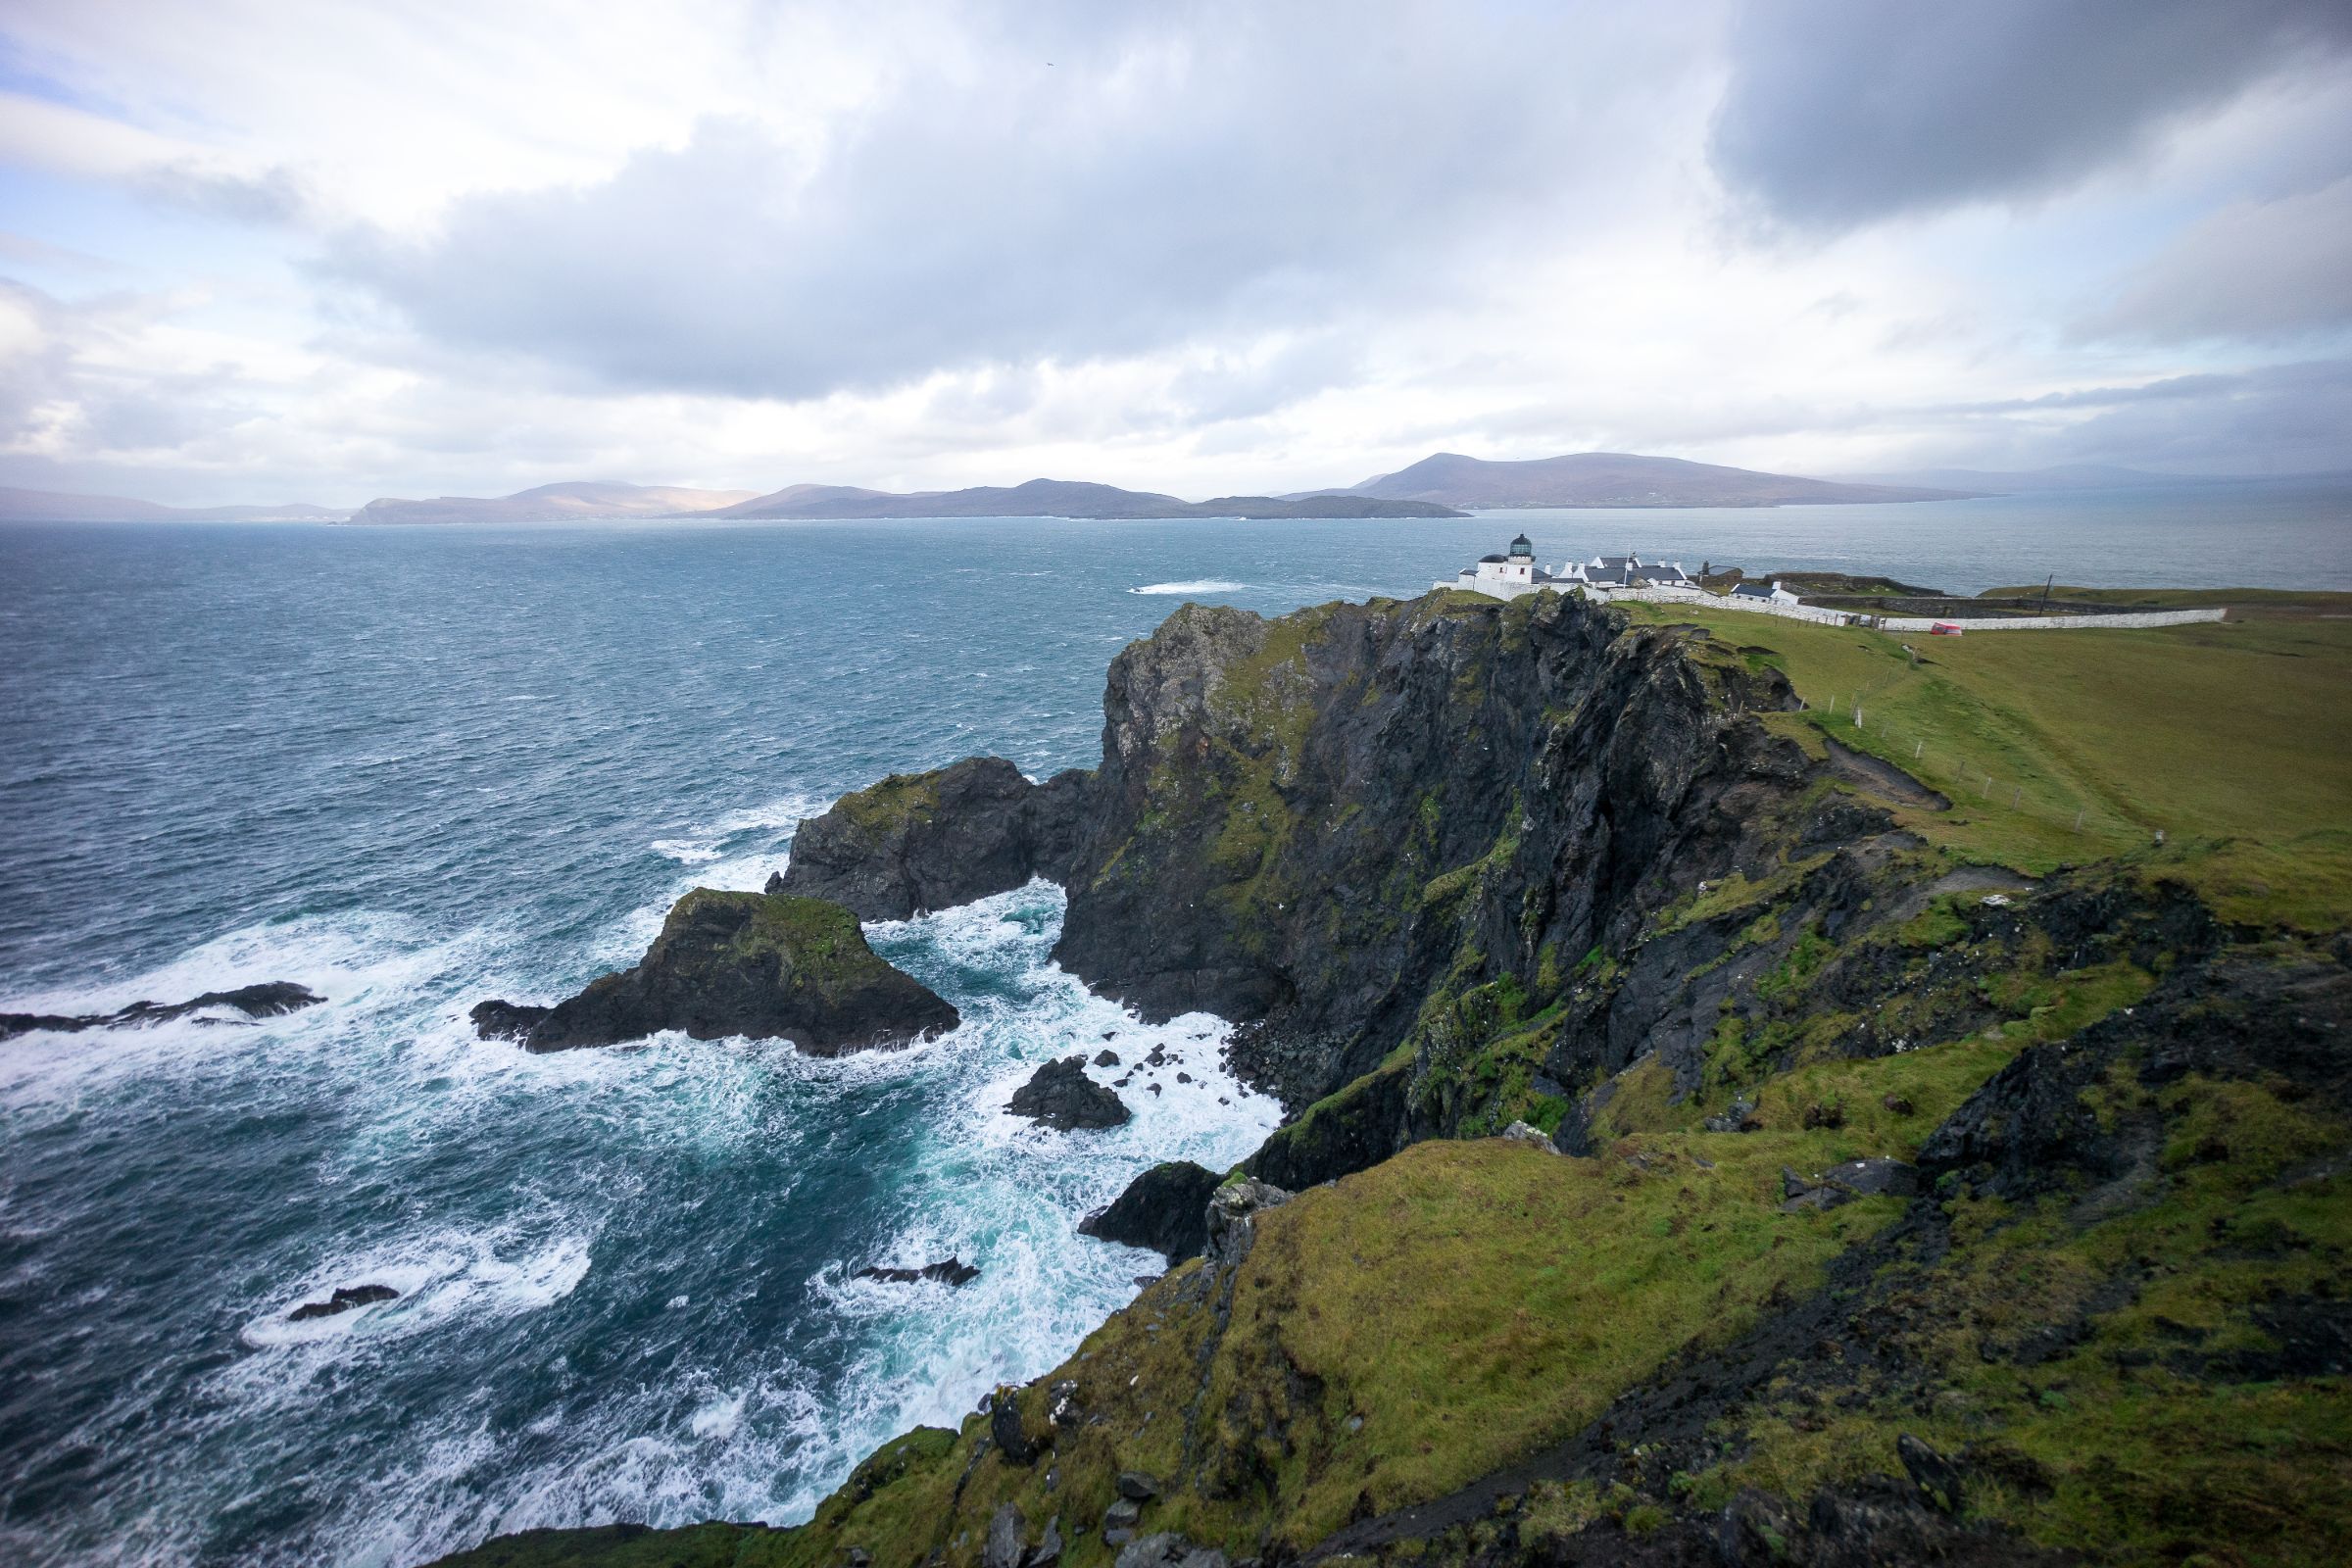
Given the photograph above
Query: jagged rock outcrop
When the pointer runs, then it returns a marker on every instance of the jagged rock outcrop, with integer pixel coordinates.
(1061, 1095)
(930, 841)
(267, 999)
(946, 1271)
(347, 1298)
(1165, 1208)
(1322, 820)
(1317, 822)
(498, 1019)
(766, 965)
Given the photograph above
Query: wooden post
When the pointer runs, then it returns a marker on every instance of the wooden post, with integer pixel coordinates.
(2077, 819)
(1916, 750)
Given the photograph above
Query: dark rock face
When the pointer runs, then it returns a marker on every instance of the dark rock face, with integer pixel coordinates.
(1304, 822)
(1165, 1208)
(929, 841)
(2234, 1017)
(506, 1020)
(267, 1000)
(1060, 1095)
(344, 1299)
(771, 967)
(946, 1271)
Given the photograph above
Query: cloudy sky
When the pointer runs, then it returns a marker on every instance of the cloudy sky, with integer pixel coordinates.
(263, 250)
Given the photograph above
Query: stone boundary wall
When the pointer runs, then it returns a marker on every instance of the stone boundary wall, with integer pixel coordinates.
(1849, 617)
(1696, 596)
(2136, 617)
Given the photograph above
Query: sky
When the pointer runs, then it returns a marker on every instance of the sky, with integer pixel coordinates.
(281, 250)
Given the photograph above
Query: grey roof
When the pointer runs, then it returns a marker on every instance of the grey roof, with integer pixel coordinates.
(1498, 560)
(1752, 590)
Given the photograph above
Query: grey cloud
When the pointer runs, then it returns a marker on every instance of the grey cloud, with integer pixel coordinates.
(1842, 111)
(2259, 269)
(1196, 174)
(2282, 419)
(2172, 389)
(275, 196)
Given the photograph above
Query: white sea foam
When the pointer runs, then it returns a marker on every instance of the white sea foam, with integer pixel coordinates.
(715, 1423)
(1199, 585)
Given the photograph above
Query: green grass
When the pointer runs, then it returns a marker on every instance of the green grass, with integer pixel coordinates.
(881, 808)
(2227, 737)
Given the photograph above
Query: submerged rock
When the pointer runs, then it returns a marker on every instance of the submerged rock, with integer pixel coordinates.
(1060, 1095)
(767, 965)
(345, 1299)
(267, 1000)
(1165, 1208)
(946, 1271)
(930, 841)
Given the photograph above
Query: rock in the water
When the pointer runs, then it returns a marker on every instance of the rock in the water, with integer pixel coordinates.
(1107, 1057)
(506, 1020)
(345, 1299)
(771, 967)
(1060, 1095)
(267, 1000)
(930, 841)
(1233, 1211)
(1165, 1208)
(946, 1271)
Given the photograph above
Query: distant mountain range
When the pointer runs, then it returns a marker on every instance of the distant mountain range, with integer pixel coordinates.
(60, 506)
(1621, 479)
(556, 503)
(1066, 498)
(1444, 485)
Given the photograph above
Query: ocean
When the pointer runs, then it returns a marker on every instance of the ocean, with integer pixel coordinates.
(414, 768)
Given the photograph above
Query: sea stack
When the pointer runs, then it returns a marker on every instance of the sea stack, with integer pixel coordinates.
(766, 965)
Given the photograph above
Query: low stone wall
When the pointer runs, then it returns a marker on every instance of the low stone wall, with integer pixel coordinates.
(2136, 617)
(1752, 607)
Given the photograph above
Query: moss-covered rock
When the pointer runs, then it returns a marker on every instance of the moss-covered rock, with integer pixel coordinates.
(931, 841)
(766, 965)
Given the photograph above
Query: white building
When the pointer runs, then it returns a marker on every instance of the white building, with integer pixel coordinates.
(1506, 576)
(1628, 571)
(1760, 593)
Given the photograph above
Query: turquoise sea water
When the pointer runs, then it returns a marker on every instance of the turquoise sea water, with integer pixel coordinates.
(414, 768)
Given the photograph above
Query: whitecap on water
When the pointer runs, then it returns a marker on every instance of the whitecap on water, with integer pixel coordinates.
(1201, 585)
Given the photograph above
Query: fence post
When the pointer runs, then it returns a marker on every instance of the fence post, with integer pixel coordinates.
(2077, 819)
